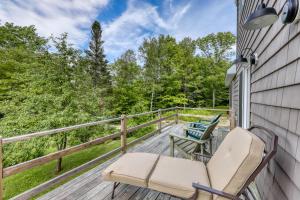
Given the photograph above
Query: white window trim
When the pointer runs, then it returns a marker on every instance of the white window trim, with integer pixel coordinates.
(246, 98)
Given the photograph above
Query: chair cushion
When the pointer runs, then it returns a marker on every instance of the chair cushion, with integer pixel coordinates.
(194, 133)
(198, 126)
(237, 157)
(175, 176)
(131, 168)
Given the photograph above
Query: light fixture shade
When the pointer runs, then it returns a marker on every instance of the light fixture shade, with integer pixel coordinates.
(231, 72)
(262, 17)
(240, 60)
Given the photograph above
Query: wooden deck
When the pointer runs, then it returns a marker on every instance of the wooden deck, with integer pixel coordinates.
(91, 186)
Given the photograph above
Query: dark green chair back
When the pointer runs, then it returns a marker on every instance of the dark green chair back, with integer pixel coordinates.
(202, 135)
(208, 131)
(216, 118)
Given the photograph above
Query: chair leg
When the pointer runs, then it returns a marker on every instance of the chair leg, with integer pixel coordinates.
(245, 194)
(171, 146)
(202, 152)
(250, 192)
(114, 187)
(193, 157)
(194, 197)
(210, 146)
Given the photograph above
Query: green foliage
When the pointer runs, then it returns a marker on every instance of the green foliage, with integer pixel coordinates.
(174, 73)
(216, 46)
(12, 36)
(172, 101)
(127, 93)
(50, 85)
(41, 90)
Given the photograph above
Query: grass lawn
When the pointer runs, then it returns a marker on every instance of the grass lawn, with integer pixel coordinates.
(23, 181)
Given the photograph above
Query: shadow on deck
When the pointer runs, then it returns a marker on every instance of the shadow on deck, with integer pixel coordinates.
(91, 186)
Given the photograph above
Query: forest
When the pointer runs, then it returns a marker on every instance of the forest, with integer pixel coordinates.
(48, 83)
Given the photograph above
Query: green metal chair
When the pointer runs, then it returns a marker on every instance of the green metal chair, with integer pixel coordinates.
(189, 145)
(203, 124)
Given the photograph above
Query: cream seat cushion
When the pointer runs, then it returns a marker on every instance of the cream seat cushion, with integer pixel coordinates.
(235, 160)
(131, 168)
(175, 176)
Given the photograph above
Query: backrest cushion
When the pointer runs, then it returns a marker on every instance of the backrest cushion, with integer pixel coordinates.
(237, 157)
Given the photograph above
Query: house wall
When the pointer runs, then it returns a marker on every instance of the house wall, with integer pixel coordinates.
(275, 97)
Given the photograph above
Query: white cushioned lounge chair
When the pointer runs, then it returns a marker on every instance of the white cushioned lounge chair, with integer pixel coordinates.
(235, 164)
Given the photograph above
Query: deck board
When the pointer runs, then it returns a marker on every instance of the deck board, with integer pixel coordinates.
(90, 186)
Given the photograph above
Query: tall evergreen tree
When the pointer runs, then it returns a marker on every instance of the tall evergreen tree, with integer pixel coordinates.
(98, 63)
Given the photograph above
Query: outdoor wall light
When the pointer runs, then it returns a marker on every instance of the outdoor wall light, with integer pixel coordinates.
(240, 60)
(253, 58)
(265, 16)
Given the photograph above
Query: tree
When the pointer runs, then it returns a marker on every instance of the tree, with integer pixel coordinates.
(21, 50)
(187, 70)
(159, 58)
(216, 49)
(16, 50)
(127, 96)
(12, 36)
(217, 46)
(97, 61)
(65, 60)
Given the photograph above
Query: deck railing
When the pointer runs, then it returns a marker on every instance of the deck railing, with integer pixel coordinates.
(122, 134)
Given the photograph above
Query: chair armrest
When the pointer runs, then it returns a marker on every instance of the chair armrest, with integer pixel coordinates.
(214, 191)
(188, 139)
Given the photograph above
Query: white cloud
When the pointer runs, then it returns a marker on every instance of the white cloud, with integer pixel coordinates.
(140, 20)
(193, 18)
(185, 18)
(53, 16)
(205, 17)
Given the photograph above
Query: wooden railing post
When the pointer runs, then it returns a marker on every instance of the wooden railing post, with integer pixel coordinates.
(1, 169)
(177, 115)
(123, 133)
(159, 123)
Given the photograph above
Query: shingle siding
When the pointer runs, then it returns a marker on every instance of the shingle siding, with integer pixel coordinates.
(275, 98)
(235, 96)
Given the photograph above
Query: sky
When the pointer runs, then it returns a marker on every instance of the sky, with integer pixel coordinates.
(125, 23)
